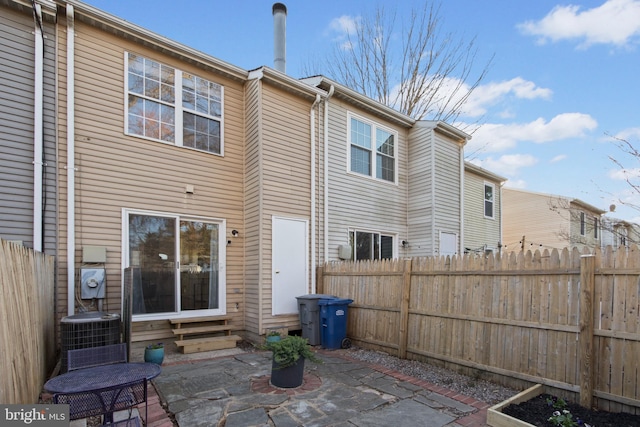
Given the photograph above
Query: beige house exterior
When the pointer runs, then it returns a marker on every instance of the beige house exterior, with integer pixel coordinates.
(545, 221)
(482, 210)
(218, 190)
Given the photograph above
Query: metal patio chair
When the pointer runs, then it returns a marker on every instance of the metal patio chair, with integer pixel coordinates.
(105, 401)
(96, 356)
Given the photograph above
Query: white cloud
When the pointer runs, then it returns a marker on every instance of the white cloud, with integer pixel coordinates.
(558, 158)
(492, 93)
(615, 22)
(343, 26)
(624, 174)
(509, 164)
(494, 137)
(629, 134)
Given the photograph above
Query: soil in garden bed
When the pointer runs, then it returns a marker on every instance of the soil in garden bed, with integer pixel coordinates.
(537, 411)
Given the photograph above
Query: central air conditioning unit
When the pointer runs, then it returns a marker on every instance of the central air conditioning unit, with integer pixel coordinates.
(91, 329)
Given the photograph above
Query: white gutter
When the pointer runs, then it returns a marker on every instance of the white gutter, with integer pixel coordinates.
(38, 131)
(326, 173)
(71, 248)
(312, 119)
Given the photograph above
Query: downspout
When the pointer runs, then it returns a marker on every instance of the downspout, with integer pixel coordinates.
(312, 119)
(71, 249)
(38, 129)
(461, 242)
(326, 173)
(433, 194)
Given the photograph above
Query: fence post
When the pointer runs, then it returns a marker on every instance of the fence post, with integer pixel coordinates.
(319, 280)
(585, 337)
(404, 309)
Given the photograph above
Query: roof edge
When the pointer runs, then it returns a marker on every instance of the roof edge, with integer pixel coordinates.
(361, 100)
(93, 16)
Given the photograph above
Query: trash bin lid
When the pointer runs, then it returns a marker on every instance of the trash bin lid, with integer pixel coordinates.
(316, 296)
(335, 301)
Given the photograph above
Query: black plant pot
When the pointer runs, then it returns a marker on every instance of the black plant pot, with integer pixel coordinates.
(289, 377)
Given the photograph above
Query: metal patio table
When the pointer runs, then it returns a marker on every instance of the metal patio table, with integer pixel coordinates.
(97, 377)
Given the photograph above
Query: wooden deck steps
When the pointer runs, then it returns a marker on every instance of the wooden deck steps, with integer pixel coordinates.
(207, 333)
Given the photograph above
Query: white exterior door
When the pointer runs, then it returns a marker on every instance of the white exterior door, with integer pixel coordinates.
(290, 260)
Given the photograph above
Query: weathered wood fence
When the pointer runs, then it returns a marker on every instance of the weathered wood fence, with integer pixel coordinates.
(568, 320)
(27, 328)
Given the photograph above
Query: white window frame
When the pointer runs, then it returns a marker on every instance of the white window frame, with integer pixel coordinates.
(222, 267)
(485, 200)
(372, 149)
(355, 230)
(177, 105)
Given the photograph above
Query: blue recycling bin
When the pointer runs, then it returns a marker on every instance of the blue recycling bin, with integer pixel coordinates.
(333, 320)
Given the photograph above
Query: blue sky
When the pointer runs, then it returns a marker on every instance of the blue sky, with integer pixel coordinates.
(564, 79)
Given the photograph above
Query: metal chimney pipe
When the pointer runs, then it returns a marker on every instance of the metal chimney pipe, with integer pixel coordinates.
(280, 37)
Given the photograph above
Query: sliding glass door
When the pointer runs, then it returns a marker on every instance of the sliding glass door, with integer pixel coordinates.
(177, 265)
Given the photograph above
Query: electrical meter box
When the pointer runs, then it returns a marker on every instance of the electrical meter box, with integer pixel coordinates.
(92, 283)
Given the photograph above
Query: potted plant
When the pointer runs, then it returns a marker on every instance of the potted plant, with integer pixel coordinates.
(154, 353)
(272, 336)
(287, 368)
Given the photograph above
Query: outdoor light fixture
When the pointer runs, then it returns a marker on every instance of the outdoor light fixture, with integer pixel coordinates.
(235, 233)
(405, 243)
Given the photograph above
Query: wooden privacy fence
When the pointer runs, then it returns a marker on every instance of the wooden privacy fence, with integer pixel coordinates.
(564, 319)
(27, 329)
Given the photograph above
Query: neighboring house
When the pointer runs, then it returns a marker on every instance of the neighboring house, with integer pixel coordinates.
(544, 221)
(28, 161)
(482, 210)
(393, 183)
(618, 233)
(219, 190)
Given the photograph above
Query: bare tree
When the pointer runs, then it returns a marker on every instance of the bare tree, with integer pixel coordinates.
(630, 175)
(430, 76)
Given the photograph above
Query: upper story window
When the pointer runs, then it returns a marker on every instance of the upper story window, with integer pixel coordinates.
(595, 228)
(489, 190)
(582, 224)
(370, 246)
(166, 104)
(372, 150)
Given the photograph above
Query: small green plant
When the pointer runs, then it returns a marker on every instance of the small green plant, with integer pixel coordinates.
(273, 334)
(556, 402)
(562, 417)
(290, 349)
(155, 346)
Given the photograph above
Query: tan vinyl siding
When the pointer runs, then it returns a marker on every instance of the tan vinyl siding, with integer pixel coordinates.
(253, 206)
(421, 191)
(434, 193)
(357, 201)
(480, 231)
(285, 180)
(530, 215)
(116, 171)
